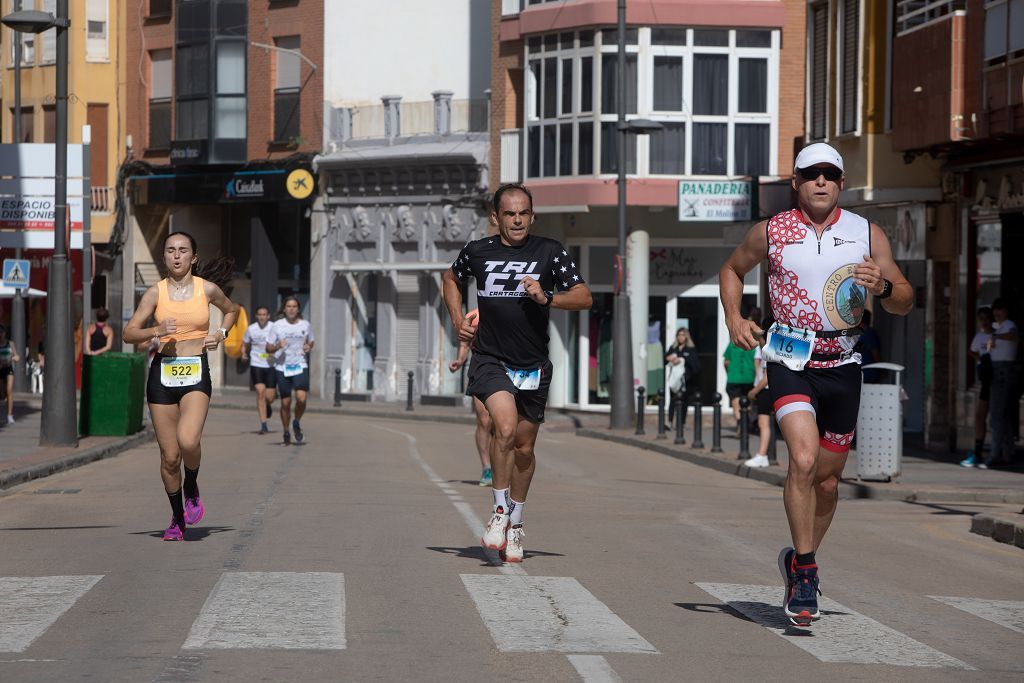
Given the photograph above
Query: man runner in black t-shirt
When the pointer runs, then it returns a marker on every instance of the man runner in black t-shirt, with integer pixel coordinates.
(516, 274)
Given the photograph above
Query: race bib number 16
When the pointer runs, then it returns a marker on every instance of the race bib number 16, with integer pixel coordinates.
(789, 346)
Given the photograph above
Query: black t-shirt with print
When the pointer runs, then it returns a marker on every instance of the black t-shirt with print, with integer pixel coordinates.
(513, 328)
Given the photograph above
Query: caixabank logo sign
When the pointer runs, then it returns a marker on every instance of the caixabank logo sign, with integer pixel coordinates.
(244, 188)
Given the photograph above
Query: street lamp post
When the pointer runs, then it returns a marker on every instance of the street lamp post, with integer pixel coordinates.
(18, 303)
(58, 426)
(622, 415)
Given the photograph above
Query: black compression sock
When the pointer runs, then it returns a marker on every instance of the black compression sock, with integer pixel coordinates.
(979, 446)
(805, 559)
(190, 482)
(177, 506)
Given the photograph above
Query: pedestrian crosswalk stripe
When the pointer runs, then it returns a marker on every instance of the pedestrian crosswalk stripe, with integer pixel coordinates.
(842, 635)
(1008, 613)
(31, 604)
(549, 614)
(284, 610)
(594, 669)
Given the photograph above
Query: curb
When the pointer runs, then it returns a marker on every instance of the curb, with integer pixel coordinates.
(1003, 528)
(45, 469)
(847, 488)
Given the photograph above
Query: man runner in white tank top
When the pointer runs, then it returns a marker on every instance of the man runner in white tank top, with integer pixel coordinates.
(822, 263)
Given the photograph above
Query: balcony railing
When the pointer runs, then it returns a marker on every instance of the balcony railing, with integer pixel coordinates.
(102, 199)
(417, 118)
(511, 155)
(913, 14)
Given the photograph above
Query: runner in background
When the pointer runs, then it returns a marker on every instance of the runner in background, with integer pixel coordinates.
(294, 337)
(483, 418)
(262, 364)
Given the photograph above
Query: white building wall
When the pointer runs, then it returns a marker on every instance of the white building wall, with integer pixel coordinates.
(405, 47)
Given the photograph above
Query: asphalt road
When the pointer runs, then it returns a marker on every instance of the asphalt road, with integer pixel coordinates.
(355, 557)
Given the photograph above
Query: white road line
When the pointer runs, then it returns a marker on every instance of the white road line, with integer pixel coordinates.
(285, 610)
(842, 635)
(594, 669)
(31, 604)
(549, 614)
(1008, 613)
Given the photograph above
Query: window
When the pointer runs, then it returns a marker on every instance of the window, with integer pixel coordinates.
(230, 111)
(159, 8)
(1004, 28)
(27, 131)
(28, 51)
(160, 94)
(49, 123)
(286, 90)
(96, 19)
(849, 65)
(818, 96)
(49, 36)
(714, 91)
(191, 76)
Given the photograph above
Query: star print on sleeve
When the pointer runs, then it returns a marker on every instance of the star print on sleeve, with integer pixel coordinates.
(566, 273)
(461, 267)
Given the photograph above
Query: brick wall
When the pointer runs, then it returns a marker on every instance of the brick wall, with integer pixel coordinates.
(265, 24)
(921, 82)
(506, 90)
(792, 84)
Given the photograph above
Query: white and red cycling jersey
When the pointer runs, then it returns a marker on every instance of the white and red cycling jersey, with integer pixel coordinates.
(811, 281)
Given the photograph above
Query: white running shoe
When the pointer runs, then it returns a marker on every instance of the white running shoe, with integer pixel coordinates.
(757, 461)
(494, 533)
(514, 550)
(10, 419)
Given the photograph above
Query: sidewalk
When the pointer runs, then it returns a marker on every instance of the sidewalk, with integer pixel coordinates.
(23, 459)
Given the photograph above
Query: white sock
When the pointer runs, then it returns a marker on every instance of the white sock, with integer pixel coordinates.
(500, 500)
(516, 513)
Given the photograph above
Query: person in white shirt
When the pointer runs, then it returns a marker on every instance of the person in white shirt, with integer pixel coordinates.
(1002, 349)
(979, 352)
(261, 364)
(294, 337)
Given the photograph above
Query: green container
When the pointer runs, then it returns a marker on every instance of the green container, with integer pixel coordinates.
(113, 392)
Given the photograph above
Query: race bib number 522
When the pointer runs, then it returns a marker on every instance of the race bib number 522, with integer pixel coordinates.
(185, 371)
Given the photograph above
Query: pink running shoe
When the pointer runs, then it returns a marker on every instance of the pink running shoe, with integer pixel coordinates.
(194, 509)
(175, 532)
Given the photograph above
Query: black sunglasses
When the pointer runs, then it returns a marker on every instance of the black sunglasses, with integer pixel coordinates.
(831, 173)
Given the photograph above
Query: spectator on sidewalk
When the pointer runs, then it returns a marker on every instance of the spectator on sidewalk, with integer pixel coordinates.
(8, 357)
(739, 371)
(983, 369)
(870, 347)
(683, 370)
(99, 337)
(1003, 401)
(761, 400)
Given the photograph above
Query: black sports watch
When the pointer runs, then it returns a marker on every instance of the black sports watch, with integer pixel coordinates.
(886, 290)
(550, 296)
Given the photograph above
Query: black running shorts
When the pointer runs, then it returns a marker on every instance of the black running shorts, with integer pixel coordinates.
(487, 376)
(299, 382)
(831, 395)
(764, 402)
(265, 376)
(168, 396)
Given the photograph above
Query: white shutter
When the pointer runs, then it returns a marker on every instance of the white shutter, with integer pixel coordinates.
(96, 31)
(407, 328)
(49, 37)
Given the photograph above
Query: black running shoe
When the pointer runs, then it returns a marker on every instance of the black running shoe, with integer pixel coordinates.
(287, 438)
(270, 411)
(298, 431)
(786, 556)
(802, 602)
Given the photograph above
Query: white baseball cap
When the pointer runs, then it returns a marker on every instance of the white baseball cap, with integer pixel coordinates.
(819, 153)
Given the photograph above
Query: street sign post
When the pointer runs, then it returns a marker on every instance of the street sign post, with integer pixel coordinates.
(16, 273)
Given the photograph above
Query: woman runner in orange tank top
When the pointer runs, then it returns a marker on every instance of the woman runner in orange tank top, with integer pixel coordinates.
(178, 389)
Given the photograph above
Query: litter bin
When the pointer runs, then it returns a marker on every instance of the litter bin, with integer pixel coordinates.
(880, 428)
(113, 391)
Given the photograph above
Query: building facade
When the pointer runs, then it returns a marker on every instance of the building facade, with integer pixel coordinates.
(225, 115)
(404, 178)
(958, 100)
(725, 81)
(96, 96)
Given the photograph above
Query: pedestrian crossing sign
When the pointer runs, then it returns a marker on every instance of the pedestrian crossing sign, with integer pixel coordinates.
(16, 273)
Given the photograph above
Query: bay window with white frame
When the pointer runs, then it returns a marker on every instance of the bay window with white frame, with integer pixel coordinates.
(714, 91)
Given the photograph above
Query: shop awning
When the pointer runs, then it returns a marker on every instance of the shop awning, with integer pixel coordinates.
(381, 267)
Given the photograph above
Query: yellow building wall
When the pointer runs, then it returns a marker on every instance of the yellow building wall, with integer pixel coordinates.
(89, 82)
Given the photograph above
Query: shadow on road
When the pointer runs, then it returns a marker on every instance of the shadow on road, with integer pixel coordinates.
(770, 616)
(192, 533)
(487, 558)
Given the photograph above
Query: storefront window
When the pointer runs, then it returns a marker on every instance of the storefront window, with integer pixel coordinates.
(990, 259)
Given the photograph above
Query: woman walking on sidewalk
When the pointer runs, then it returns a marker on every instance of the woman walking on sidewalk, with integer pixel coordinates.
(178, 389)
(8, 357)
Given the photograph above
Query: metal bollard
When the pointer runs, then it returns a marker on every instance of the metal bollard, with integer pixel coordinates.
(639, 410)
(698, 427)
(680, 418)
(661, 416)
(773, 442)
(744, 427)
(408, 399)
(337, 387)
(716, 427)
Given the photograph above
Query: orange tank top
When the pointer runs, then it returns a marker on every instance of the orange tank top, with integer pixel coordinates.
(191, 317)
